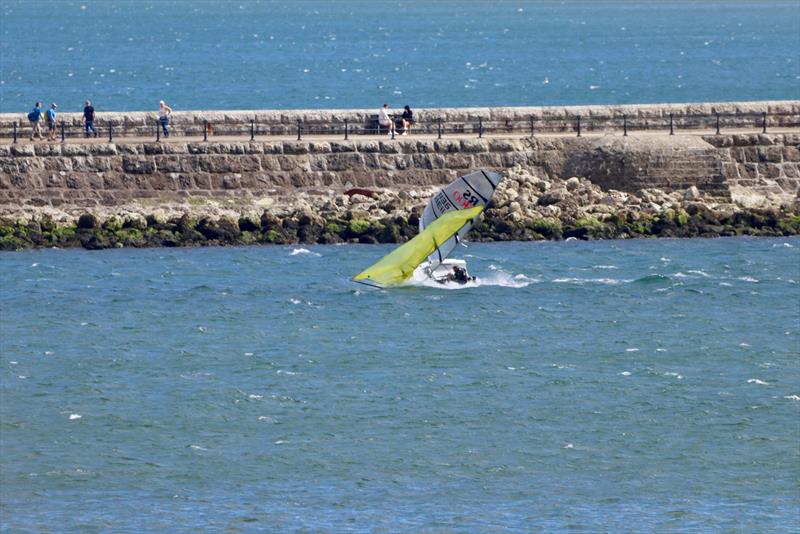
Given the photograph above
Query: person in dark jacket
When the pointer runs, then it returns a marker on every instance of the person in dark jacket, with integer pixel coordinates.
(408, 119)
(88, 119)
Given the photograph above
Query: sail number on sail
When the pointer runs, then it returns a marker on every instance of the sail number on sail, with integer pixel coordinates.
(465, 199)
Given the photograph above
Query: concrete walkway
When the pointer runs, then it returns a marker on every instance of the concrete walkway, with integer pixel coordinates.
(23, 139)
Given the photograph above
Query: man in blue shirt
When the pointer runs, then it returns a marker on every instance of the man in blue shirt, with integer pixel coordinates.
(33, 117)
(51, 122)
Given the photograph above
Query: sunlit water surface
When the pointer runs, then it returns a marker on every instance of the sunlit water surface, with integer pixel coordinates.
(588, 386)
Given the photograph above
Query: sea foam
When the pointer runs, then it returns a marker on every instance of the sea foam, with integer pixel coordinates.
(299, 251)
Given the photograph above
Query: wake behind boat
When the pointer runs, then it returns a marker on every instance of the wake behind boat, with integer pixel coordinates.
(445, 221)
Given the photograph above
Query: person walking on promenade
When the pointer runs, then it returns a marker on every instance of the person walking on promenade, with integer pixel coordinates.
(408, 119)
(385, 119)
(51, 122)
(33, 118)
(164, 112)
(88, 119)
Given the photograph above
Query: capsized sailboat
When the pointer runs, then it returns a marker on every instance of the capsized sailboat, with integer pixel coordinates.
(398, 266)
(445, 221)
(468, 191)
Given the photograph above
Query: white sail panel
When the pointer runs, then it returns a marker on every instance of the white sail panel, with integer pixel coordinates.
(473, 189)
(469, 191)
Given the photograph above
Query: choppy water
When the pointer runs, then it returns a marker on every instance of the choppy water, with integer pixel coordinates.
(129, 54)
(597, 386)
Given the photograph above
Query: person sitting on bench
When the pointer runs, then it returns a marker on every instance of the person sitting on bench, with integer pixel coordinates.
(385, 119)
(408, 119)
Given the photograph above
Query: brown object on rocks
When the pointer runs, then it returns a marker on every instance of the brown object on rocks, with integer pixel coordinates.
(359, 191)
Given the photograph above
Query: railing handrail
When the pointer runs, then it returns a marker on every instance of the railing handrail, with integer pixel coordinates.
(479, 126)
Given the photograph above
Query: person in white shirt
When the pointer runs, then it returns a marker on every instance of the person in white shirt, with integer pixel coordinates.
(164, 111)
(385, 119)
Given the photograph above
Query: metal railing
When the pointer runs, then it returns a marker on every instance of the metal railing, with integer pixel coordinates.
(480, 127)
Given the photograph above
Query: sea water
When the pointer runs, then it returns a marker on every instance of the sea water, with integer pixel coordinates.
(129, 54)
(647, 385)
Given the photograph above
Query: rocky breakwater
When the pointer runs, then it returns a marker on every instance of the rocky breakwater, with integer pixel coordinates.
(527, 206)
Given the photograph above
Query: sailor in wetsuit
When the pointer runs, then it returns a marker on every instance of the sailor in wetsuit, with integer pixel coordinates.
(459, 275)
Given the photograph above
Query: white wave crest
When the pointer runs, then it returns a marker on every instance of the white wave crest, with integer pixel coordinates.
(497, 278)
(504, 279)
(792, 397)
(583, 281)
(757, 382)
(297, 251)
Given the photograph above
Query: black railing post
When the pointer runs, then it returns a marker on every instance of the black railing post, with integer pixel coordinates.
(717, 124)
(625, 124)
(252, 129)
(764, 122)
(531, 125)
(346, 130)
(110, 132)
(62, 131)
(394, 127)
(671, 128)
(299, 134)
(158, 131)
(578, 125)
(205, 130)
(440, 127)
(480, 127)
(15, 131)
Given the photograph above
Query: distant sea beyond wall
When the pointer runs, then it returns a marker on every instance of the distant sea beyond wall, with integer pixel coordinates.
(333, 167)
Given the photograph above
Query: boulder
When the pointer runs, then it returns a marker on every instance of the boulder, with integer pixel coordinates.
(87, 221)
(692, 193)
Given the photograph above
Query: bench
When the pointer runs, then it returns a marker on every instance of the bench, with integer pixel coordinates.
(373, 126)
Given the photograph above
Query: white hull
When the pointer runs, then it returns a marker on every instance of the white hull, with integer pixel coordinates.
(445, 270)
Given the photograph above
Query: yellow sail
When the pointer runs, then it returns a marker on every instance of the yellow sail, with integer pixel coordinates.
(397, 266)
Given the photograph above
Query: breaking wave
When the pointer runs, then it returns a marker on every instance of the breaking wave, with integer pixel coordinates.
(298, 251)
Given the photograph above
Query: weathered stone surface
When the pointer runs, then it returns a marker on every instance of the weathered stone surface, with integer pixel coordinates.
(559, 177)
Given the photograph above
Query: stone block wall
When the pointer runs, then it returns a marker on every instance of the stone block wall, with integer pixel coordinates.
(86, 175)
(760, 164)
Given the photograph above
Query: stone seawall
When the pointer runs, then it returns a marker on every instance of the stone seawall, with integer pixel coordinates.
(90, 175)
(597, 185)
